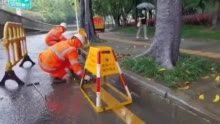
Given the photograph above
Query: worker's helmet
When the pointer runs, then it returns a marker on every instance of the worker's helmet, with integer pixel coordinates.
(63, 24)
(81, 38)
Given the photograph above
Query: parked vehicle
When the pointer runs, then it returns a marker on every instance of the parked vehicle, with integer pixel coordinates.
(99, 23)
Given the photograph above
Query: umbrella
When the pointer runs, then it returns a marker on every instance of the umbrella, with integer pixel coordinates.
(145, 5)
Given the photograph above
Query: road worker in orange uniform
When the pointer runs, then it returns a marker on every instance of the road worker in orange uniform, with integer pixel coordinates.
(56, 34)
(62, 57)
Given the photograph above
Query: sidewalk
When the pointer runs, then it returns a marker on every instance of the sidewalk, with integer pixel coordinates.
(203, 48)
(125, 44)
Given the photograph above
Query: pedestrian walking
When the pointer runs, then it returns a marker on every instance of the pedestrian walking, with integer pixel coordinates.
(142, 24)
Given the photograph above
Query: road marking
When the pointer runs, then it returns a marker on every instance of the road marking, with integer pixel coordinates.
(124, 113)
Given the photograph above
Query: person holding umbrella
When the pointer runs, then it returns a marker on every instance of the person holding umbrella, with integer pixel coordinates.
(144, 15)
(142, 23)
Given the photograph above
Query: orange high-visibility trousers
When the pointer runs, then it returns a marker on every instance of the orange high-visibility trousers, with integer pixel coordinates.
(62, 71)
(59, 72)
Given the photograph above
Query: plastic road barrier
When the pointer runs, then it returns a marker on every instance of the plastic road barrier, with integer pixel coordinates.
(102, 62)
(14, 42)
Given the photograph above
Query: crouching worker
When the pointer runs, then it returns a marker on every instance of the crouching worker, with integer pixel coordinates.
(58, 59)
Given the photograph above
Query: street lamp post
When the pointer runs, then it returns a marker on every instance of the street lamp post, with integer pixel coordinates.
(77, 21)
(18, 11)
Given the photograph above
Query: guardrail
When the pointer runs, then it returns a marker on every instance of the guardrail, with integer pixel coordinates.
(14, 42)
(26, 22)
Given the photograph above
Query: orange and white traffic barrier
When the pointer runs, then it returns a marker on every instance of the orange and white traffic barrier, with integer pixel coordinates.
(102, 62)
(122, 76)
(14, 42)
(98, 80)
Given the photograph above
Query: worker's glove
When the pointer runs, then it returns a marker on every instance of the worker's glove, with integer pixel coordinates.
(66, 76)
(87, 78)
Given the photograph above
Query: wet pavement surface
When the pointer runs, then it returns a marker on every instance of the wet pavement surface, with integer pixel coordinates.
(207, 85)
(49, 103)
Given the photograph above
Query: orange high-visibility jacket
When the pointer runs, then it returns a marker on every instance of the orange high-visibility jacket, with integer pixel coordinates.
(55, 35)
(55, 56)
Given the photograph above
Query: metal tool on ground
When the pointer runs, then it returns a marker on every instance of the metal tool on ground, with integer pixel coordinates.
(44, 97)
(31, 84)
(102, 62)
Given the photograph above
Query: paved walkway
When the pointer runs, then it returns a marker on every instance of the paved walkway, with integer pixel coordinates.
(203, 48)
(48, 103)
(128, 44)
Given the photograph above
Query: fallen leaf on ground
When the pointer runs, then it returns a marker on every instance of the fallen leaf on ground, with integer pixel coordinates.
(217, 79)
(187, 71)
(213, 75)
(184, 87)
(201, 97)
(162, 69)
(148, 78)
(205, 77)
(217, 98)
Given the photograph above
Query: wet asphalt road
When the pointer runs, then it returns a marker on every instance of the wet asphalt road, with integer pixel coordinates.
(64, 103)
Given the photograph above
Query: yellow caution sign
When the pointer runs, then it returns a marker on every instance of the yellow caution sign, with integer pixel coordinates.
(14, 41)
(107, 61)
(102, 62)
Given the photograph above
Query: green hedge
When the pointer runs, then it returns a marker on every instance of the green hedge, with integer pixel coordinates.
(189, 68)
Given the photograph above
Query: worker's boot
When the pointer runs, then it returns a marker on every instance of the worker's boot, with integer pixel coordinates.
(57, 80)
(73, 75)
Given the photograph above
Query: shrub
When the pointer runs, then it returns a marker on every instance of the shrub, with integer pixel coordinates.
(195, 19)
(189, 68)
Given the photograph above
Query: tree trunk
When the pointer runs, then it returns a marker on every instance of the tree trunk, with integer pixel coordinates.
(125, 20)
(89, 26)
(82, 14)
(177, 15)
(165, 47)
(216, 14)
(86, 19)
(117, 20)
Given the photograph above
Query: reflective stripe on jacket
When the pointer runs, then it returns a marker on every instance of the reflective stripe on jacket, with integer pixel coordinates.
(55, 35)
(58, 54)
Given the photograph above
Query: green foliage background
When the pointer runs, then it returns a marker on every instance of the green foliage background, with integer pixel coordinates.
(56, 11)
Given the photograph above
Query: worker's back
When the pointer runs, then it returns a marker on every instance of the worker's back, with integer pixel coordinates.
(55, 35)
(55, 55)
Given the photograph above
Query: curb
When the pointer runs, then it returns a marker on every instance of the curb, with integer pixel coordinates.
(124, 41)
(176, 98)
